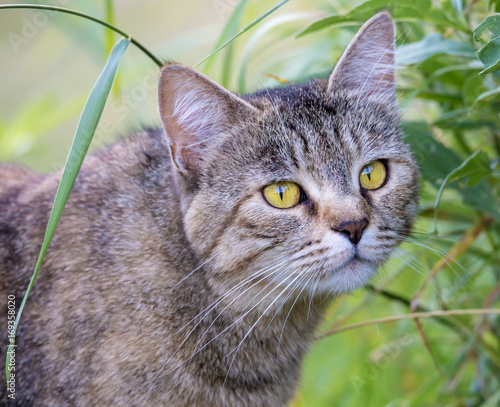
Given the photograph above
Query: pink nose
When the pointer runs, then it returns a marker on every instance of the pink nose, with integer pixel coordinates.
(353, 229)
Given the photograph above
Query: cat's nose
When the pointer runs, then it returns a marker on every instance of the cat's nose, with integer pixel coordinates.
(353, 229)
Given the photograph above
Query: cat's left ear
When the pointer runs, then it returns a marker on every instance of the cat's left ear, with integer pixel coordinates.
(196, 112)
(367, 65)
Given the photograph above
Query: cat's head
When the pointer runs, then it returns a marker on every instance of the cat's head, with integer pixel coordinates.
(301, 186)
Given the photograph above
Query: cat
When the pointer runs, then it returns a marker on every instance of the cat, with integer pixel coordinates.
(193, 262)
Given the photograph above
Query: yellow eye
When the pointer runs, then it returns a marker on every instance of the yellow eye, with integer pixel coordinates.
(282, 195)
(373, 175)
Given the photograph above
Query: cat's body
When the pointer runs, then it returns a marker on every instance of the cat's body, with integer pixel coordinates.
(170, 281)
(105, 310)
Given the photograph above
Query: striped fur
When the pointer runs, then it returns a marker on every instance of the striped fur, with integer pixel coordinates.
(170, 281)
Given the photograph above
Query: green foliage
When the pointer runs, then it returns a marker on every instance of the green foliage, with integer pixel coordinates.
(475, 168)
(84, 133)
(450, 94)
(416, 10)
(489, 54)
(432, 45)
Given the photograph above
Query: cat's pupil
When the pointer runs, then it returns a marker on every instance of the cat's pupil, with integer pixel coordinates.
(368, 171)
(280, 190)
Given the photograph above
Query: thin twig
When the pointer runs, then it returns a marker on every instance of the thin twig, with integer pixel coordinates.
(414, 315)
(243, 30)
(390, 295)
(478, 330)
(467, 239)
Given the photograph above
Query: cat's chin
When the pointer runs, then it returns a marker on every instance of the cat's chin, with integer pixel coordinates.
(353, 274)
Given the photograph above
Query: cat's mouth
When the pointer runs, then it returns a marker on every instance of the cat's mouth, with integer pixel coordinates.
(348, 276)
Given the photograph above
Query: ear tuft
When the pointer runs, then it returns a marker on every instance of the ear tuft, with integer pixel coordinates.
(195, 112)
(367, 64)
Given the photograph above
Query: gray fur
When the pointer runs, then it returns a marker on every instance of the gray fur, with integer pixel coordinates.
(145, 296)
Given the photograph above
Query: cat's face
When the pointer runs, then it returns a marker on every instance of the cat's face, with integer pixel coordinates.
(304, 187)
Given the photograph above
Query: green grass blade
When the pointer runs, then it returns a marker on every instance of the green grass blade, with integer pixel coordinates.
(110, 42)
(245, 29)
(85, 131)
(260, 33)
(110, 18)
(230, 29)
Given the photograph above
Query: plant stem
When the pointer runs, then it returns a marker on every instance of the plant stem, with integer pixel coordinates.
(254, 22)
(86, 16)
(395, 318)
(390, 295)
(459, 248)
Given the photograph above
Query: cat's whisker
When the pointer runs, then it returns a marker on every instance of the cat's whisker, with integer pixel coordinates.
(233, 324)
(391, 65)
(280, 272)
(246, 280)
(289, 295)
(413, 265)
(394, 270)
(290, 311)
(441, 253)
(432, 236)
(299, 275)
(253, 326)
(207, 309)
(219, 334)
(313, 293)
(411, 261)
(189, 274)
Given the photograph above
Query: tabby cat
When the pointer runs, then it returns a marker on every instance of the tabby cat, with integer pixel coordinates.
(192, 263)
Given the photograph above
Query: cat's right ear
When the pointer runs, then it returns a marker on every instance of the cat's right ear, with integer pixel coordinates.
(367, 65)
(195, 112)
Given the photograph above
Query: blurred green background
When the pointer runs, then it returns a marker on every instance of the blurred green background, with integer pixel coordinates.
(50, 61)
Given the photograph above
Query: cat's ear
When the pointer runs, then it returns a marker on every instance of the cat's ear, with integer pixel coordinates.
(195, 111)
(367, 64)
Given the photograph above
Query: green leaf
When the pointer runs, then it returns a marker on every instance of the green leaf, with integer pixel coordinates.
(242, 31)
(434, 159)
(491, 23)
(429, 46)
(458, 5)
(229, 30)
(487, 96)
(110, 18)
(465, 119)
(407, 10)
(489, 54)
(494, 4)
(475, 167)
(492, 401)
(471, 66)
(481, 198)
(473, 86)
(84, 133)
